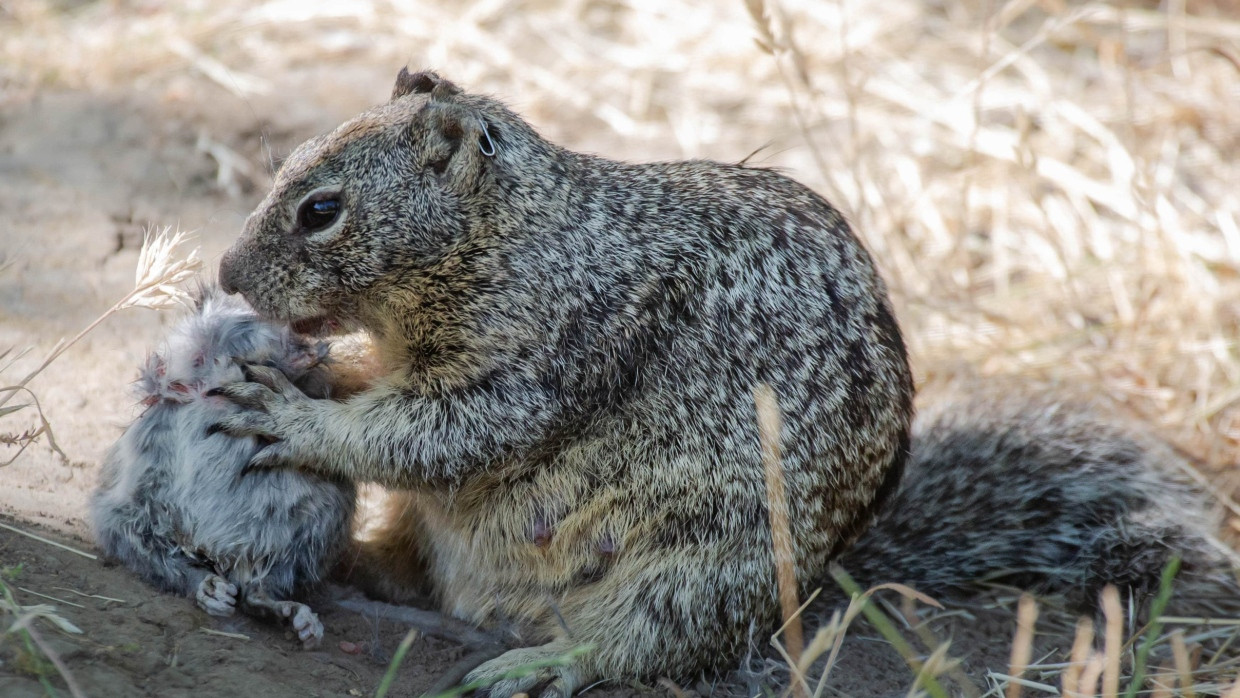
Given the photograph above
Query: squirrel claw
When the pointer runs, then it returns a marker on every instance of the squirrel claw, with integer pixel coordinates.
(266, 376)
(255, 466)
(270, 457)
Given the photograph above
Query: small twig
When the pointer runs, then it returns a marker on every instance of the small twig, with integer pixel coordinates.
(51, 598)
(221, 633)
(41, 539)
(90, 596)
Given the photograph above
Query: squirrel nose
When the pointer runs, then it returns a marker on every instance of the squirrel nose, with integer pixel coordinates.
(228, 273)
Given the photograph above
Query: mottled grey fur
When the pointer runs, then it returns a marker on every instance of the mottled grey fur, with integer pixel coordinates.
(571, 346)
(1044, 492)
(173, 504)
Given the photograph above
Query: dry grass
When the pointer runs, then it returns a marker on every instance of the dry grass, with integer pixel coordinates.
(770, 431)
(1049, 187)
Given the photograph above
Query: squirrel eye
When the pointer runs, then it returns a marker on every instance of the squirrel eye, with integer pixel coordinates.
(318, 213)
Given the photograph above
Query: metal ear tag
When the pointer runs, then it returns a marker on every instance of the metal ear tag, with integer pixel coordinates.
(487, 146)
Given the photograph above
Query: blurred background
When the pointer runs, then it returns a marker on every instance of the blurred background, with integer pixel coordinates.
(1052, 189)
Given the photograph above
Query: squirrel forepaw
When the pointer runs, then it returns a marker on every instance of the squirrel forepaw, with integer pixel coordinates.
(273, 456)
(251, 423)
(268, 377)
(554, 666)
(255, 396)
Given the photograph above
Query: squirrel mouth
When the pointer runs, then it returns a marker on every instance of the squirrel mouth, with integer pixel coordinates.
(316, 326)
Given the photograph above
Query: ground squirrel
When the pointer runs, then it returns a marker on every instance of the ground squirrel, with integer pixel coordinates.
(171, 503)
(570, 347)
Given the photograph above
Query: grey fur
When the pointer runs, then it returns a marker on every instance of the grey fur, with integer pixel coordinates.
(1041, 491)
(172, 503)
(572, 345)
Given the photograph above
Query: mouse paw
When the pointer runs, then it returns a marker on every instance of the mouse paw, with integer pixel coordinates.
(216, 596)
(304, 622)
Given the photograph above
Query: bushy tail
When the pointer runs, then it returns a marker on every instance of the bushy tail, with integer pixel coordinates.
(1042, 494)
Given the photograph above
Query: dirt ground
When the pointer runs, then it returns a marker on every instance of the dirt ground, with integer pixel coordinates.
(137, 642)
(96, 146)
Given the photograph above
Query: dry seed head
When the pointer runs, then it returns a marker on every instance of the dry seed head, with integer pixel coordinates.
(160, 272)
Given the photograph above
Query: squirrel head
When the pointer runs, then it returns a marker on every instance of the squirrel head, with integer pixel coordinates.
(357, 216)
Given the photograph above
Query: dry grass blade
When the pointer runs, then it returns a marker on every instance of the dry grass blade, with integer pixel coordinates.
(221, 633)
(26, 438)
(935, 665)
(1114, 641)
(50, 598)
(1200, 621)
(834, 633)
(91, 596)
(1022, 643)
(1090, 675)
(52, 543)
(1162, 685)
(928, 639)
(879, 620)
(1183, 664)
(770, 430)
(1082, 648)
(25, 615)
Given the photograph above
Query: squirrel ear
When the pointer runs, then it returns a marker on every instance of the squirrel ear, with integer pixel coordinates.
(460, 141)
(422, 82)
(459, 126)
